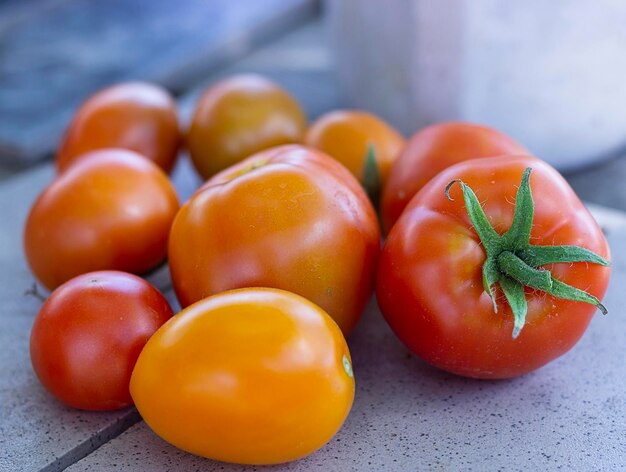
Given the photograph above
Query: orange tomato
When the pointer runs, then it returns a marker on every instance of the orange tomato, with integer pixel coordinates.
(290, 218)
(111, 210)
(251, 376)
(430, 151)
(239, 116)
(348, 135)
(137, 116)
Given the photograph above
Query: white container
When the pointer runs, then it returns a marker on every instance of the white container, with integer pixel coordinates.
(550, 73)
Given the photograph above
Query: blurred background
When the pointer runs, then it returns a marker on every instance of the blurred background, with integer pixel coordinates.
(550, 74)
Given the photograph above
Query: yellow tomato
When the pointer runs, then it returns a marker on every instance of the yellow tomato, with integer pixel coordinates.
(251, 376)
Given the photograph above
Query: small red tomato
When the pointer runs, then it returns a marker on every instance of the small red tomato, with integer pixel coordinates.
(430, 151)
(137, 116)
(112, 210)
(239, 116)
(88, 334)
(500, 280)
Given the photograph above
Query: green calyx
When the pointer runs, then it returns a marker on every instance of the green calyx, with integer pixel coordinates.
(514, 263)
(371, 176)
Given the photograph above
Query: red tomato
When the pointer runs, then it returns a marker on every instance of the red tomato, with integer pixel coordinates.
(112, 210)
(289, 218)
(430, 151)
(252, 376)
(137, 116)
(431, 272)
(239, 116)
(88, 334)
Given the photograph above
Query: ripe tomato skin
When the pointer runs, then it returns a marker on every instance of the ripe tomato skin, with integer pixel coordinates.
(289, 218)
(238, 117)
(430, 151)
(112, 210)
(138, 116)
(346, 136)
(251, 376)
(88, 334)
(430, 287)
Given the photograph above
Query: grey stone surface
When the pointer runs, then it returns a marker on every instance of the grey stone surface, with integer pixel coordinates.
(603, 183)
(53, 54)
(569, 415)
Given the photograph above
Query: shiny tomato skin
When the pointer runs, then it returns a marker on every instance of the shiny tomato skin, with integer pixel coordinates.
(250, 376)
(138, 116)
(239, 116)
(431, 150)
(88, 334)
(112, 210)
(430, 288)
(346, 135)
(290, 218)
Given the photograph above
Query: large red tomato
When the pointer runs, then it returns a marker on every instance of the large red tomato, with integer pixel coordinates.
(137, 116)
(439, 267)
(111, 210)
(430, 151)
(289, 218)
(253, 376)
(88, 334)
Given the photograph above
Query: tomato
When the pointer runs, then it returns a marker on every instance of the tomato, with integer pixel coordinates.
(137, 116)
(289, 218)
(436, 273)
(88, 334)
(239, 116)
(111, 210)
(349, 136)
(251, 376)
(430, 151)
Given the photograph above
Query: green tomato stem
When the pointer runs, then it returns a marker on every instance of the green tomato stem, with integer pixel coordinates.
(514, 263)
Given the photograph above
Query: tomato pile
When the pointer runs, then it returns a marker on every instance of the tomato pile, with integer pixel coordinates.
(491, 267)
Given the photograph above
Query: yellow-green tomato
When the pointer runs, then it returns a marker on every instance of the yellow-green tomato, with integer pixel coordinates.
(250, 376)
(239, 116)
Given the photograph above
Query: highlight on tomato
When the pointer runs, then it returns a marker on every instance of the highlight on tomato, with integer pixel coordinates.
(250, 376)
(239, 116)
(291, 218)
(137, 116)
(111, 210)
(361, 141)
(494, 269)
(431, 150)
(88, 334)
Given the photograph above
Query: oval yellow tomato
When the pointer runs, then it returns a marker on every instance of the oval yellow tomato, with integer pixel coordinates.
(251, 376)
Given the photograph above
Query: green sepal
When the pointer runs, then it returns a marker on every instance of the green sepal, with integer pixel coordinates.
(514, 293)
(514, 263)
(372, 181)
